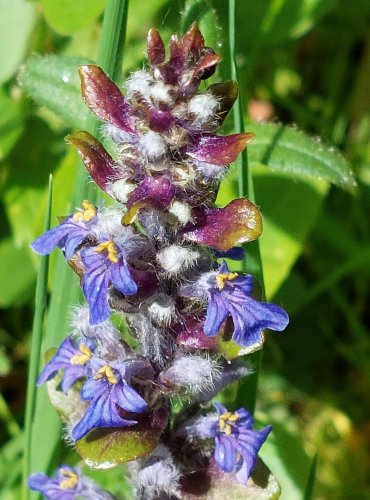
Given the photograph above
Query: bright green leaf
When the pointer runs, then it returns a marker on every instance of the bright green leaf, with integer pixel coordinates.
(291, 151)
(53, 81)
(68, 16)
(106, 448)
(16, 22)
(17, 277)
(11, 123)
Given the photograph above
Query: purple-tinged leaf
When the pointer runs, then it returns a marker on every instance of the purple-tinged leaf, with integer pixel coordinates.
(193, 41)
(104, 98)
(155, 48)
(223, 228)
(219, 150)
(226, 93)
(97, 160)
(160, 121)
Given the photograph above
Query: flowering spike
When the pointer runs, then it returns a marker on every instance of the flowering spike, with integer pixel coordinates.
(97, 160)
(104, 98)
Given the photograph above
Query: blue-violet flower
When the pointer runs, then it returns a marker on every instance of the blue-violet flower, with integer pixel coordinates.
(108, 392)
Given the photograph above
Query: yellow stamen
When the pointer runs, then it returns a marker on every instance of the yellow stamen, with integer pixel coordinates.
(83, 358)
(110, 248)
(70, 481)
(222, 278)
(226, 420)
(88, 212)
(107, 372)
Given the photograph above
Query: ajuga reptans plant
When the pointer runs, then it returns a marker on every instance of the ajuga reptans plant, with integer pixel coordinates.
(156, 256)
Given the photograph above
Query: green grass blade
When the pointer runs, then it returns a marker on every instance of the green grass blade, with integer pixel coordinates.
(66, 289)
(308, 493)
(40, 306)
(247, 389)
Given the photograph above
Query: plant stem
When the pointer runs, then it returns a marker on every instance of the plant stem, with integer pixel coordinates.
(247, 389)
(40, 306)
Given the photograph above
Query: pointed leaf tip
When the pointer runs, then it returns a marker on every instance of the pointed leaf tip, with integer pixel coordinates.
(104, 98)
(155, 47)
(97, 160)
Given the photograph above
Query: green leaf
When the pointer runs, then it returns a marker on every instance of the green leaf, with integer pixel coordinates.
(16, 22)
(17, 277)
(53, 81)
(289, 150)
(11, 123)
(68, 16)
(106, 448)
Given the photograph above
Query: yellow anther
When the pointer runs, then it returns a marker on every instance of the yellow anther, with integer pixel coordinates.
(228, 429)
(107, 372)
(226, 420)
(222, 278)
(88, 212)
(70, 481)
(83, 358)
(110, 248)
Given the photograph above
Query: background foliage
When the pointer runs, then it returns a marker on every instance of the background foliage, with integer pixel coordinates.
(304, 65)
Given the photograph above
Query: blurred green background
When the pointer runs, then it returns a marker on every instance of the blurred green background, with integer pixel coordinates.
(304, 63)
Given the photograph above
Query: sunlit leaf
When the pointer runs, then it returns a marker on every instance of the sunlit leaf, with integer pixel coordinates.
(291, 151)
(17, 274)
(53, 81)
(11, 123)
(68, 16)
(16, 22)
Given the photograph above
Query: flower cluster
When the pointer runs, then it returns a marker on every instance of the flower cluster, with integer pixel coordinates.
(153, 255)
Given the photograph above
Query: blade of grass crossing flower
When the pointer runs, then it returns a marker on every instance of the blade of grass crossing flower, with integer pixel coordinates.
(47, 430)
(308, 493)
(40, 306)
(247, 390)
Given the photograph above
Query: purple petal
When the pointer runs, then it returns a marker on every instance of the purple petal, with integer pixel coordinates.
(97, 161)
(219, 150)
(217, 312)
(220, 408)
(71, 375)
(251, 317)
(225, 453)
(127, 398)
(240, 222)
(104, 98)
(102, 412)
(68, 234)
(121, 278)
(94, 388)
(60, 360)
(95, 288)
(249, 443)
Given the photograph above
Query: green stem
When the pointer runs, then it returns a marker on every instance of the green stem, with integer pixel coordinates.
(40, 307)
(247, 389)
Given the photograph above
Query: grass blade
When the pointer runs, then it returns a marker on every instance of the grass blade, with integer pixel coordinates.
(40, 306)
(308, 493)
(247, 389)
